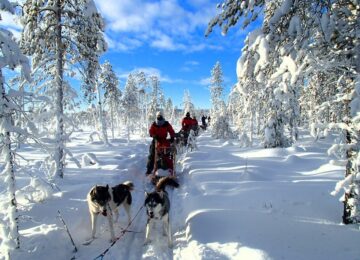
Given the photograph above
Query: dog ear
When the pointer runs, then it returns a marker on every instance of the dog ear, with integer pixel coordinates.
(93, 190)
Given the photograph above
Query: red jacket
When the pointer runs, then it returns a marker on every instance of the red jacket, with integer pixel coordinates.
(187, 123)
(160, 132)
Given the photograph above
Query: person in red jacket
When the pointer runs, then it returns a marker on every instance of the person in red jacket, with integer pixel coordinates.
(159, 131)
(186, 123)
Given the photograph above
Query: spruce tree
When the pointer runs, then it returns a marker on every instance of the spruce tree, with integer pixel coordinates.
(110, 83)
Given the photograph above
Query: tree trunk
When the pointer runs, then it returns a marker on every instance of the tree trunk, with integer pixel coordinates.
(9, 168)
(59, 143)
(352, 198)
(251, 125)
(112, 122)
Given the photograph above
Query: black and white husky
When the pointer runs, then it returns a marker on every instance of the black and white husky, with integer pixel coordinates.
(157, 205)
(106, 200)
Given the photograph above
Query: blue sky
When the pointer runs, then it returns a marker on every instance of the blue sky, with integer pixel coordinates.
(166, 38)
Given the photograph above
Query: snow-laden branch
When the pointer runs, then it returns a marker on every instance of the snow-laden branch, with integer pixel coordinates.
(343, 184)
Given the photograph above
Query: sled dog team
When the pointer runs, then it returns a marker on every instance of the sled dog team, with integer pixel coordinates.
(106, 200)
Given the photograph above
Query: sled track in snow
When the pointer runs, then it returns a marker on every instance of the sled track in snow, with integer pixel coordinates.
(131, 244)
(158, 248)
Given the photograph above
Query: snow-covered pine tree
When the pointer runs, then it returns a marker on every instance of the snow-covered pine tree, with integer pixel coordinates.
(11, 57)
(112, 96)
(221, 127)
(59, 34)
(219, 116)
(250, 71)
(232, 106)
(288, 93)
(169, 111)
(154, 104)
(162, 101)
(130, 105)
(187, 102)
(216, 88)
(237, 117)
(142, 85)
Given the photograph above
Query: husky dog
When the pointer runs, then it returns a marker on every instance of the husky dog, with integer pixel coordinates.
(106, 200)
(157, 205)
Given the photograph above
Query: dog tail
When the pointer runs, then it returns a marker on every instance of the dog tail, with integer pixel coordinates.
(129, 184)
(163, 182)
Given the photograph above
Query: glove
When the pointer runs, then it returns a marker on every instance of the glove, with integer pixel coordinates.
(155, 137)
(172, 139)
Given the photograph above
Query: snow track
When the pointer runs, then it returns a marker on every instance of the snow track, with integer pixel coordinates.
(131, 244)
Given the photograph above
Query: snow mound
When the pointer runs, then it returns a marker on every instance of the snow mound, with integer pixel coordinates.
(36, 191)
(89, 159)
(293, 159)
(227, 143)
(295, 149)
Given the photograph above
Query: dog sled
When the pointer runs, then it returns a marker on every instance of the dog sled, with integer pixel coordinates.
(164, 161)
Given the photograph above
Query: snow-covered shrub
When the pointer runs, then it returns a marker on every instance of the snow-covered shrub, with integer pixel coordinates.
(244, 140)
(36, 191)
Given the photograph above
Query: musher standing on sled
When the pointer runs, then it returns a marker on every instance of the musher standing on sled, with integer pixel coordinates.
(203, 122)
(186, 125)
(158, 131)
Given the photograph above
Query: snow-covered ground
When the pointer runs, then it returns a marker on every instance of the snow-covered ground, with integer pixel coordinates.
(233, 203)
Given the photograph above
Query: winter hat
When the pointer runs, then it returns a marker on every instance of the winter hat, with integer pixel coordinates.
(159, 119)
(187, 113)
